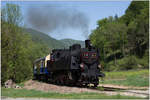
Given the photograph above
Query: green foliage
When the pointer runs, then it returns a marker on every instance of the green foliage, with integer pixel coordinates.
(14, 53)
(128, 63)
(144, 62)
(11, 14)
(33, 93)
(123, 41)
(17, 48)
(109, 37)
(134, 10)
(50, 42)
(41, 38)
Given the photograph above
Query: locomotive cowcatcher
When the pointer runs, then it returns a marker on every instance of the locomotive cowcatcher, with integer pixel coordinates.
(73, 66)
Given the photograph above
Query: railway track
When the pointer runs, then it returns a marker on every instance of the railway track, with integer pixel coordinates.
(124, 91)
(105, 89)
(114, 90)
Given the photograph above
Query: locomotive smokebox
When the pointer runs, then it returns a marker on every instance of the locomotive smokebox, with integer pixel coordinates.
(87, 44)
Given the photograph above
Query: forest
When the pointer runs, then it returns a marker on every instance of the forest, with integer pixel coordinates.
(123, 42)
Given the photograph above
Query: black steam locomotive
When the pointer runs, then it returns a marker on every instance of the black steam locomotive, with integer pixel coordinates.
(73, 66)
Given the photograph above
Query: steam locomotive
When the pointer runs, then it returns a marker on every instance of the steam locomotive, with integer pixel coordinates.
(73, 66)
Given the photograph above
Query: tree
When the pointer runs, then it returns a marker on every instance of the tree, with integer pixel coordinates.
(18, 49)
(14, 46)
(138, 29)
(134, 10)
(11, 14)
(126, 36)
(110, 34)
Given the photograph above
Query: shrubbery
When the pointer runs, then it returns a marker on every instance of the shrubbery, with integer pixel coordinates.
(127, 63)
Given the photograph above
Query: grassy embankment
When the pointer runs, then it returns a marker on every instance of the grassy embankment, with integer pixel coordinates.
(139, 78)
(39, 94)
(127, 78)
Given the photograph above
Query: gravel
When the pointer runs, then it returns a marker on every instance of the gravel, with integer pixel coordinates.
(66, 89)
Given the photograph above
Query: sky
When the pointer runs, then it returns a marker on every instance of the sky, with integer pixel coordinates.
(81, 14)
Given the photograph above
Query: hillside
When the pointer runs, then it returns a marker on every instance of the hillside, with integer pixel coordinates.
(69, 42)
(40, 37)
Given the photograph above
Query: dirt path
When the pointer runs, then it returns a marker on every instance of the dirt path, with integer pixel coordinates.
(107, 89)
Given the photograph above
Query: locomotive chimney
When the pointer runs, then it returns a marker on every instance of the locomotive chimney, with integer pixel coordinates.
(87, 44)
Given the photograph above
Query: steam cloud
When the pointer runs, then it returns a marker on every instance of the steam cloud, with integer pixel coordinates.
(49, 19)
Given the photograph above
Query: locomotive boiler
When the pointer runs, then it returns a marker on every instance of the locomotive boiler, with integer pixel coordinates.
(73, 66)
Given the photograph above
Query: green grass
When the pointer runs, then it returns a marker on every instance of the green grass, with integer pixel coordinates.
(21, 84)
(128, 78)
(33, 93)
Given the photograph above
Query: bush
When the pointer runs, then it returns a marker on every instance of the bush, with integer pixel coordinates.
(126, 63)
(144, 62)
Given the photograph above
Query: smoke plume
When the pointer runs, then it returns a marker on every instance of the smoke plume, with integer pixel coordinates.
(48, 19)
